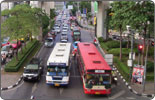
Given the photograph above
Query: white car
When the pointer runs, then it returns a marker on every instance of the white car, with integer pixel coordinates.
(64, 37)
(57, 29)
(7, 50)
(49, 42)
(64, 30)
(65, 27)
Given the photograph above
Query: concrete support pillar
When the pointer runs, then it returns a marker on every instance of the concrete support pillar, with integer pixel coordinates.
(101, 16)
(11, 5)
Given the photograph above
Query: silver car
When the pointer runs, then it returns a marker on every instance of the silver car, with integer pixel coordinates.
(57, 29)
(64, 37)
(49, 42)
(7, 50)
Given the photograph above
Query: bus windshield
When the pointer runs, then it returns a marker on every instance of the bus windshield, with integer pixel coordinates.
(97, 79)
(57, 70)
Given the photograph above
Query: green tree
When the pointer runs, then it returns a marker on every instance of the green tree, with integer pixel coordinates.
(118, 20)
(42, 19)
(139, 15)
(22, 21)
(135, 14)
(52, 13)
(85, 4)
(74, 10)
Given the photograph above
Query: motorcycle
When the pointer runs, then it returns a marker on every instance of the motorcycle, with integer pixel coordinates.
(95, 42)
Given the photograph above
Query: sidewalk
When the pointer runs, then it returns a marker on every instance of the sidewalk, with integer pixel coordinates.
(149, 86)
(9, 78)
(12, 79)
(86, 26)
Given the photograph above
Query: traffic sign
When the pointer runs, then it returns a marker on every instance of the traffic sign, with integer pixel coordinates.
(95, 6)
(133, 55)
(94, 20)
(70, 6)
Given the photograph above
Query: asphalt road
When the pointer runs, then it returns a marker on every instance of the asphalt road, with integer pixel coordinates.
(75, 88)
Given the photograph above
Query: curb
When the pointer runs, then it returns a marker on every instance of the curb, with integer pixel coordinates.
(132, 90)
(12, 86)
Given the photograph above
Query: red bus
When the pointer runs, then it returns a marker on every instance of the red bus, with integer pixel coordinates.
(94, 70)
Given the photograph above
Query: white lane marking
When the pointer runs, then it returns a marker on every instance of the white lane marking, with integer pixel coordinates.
(61, 90)
(130, 98)
(32, 97)
(10, 87)
(117, 95)
(34, 87)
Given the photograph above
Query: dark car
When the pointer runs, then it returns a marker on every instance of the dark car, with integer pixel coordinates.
(33, 70)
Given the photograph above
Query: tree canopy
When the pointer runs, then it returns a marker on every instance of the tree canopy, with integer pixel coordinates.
(135, 14)
(23, 20)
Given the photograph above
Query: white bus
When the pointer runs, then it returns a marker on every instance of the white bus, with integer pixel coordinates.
(58, 65)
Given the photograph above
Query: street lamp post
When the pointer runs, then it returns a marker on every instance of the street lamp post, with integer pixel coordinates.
(0, 28)
(132, 38)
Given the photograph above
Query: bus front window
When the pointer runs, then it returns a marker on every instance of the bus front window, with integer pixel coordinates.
(97, 79)
(58, 70)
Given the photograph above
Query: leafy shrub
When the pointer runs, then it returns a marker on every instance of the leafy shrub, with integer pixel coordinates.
(52, 24)
(124, 44)
(45, 31)
(100, 39)
(14, 64)
(116, 51)
(112, 44)
(150, 66)
(104, 46)
(123, 69)
(151, 51)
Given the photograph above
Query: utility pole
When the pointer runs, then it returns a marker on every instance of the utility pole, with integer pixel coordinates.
(132, 38)
(144, 76)
(78, 5)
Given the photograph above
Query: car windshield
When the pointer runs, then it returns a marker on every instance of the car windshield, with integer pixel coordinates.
(57, 70)
(57, 28)
(63, 35)
(64, 28)
(75, 44)
(30, 71)
(97, 79)
(48, 40)
(4, 48)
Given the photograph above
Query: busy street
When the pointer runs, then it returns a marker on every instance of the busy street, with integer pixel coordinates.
(72, 54)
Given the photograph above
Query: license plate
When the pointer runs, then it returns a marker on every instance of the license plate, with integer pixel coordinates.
(97, 92)
(57, 84)
(29, 77)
